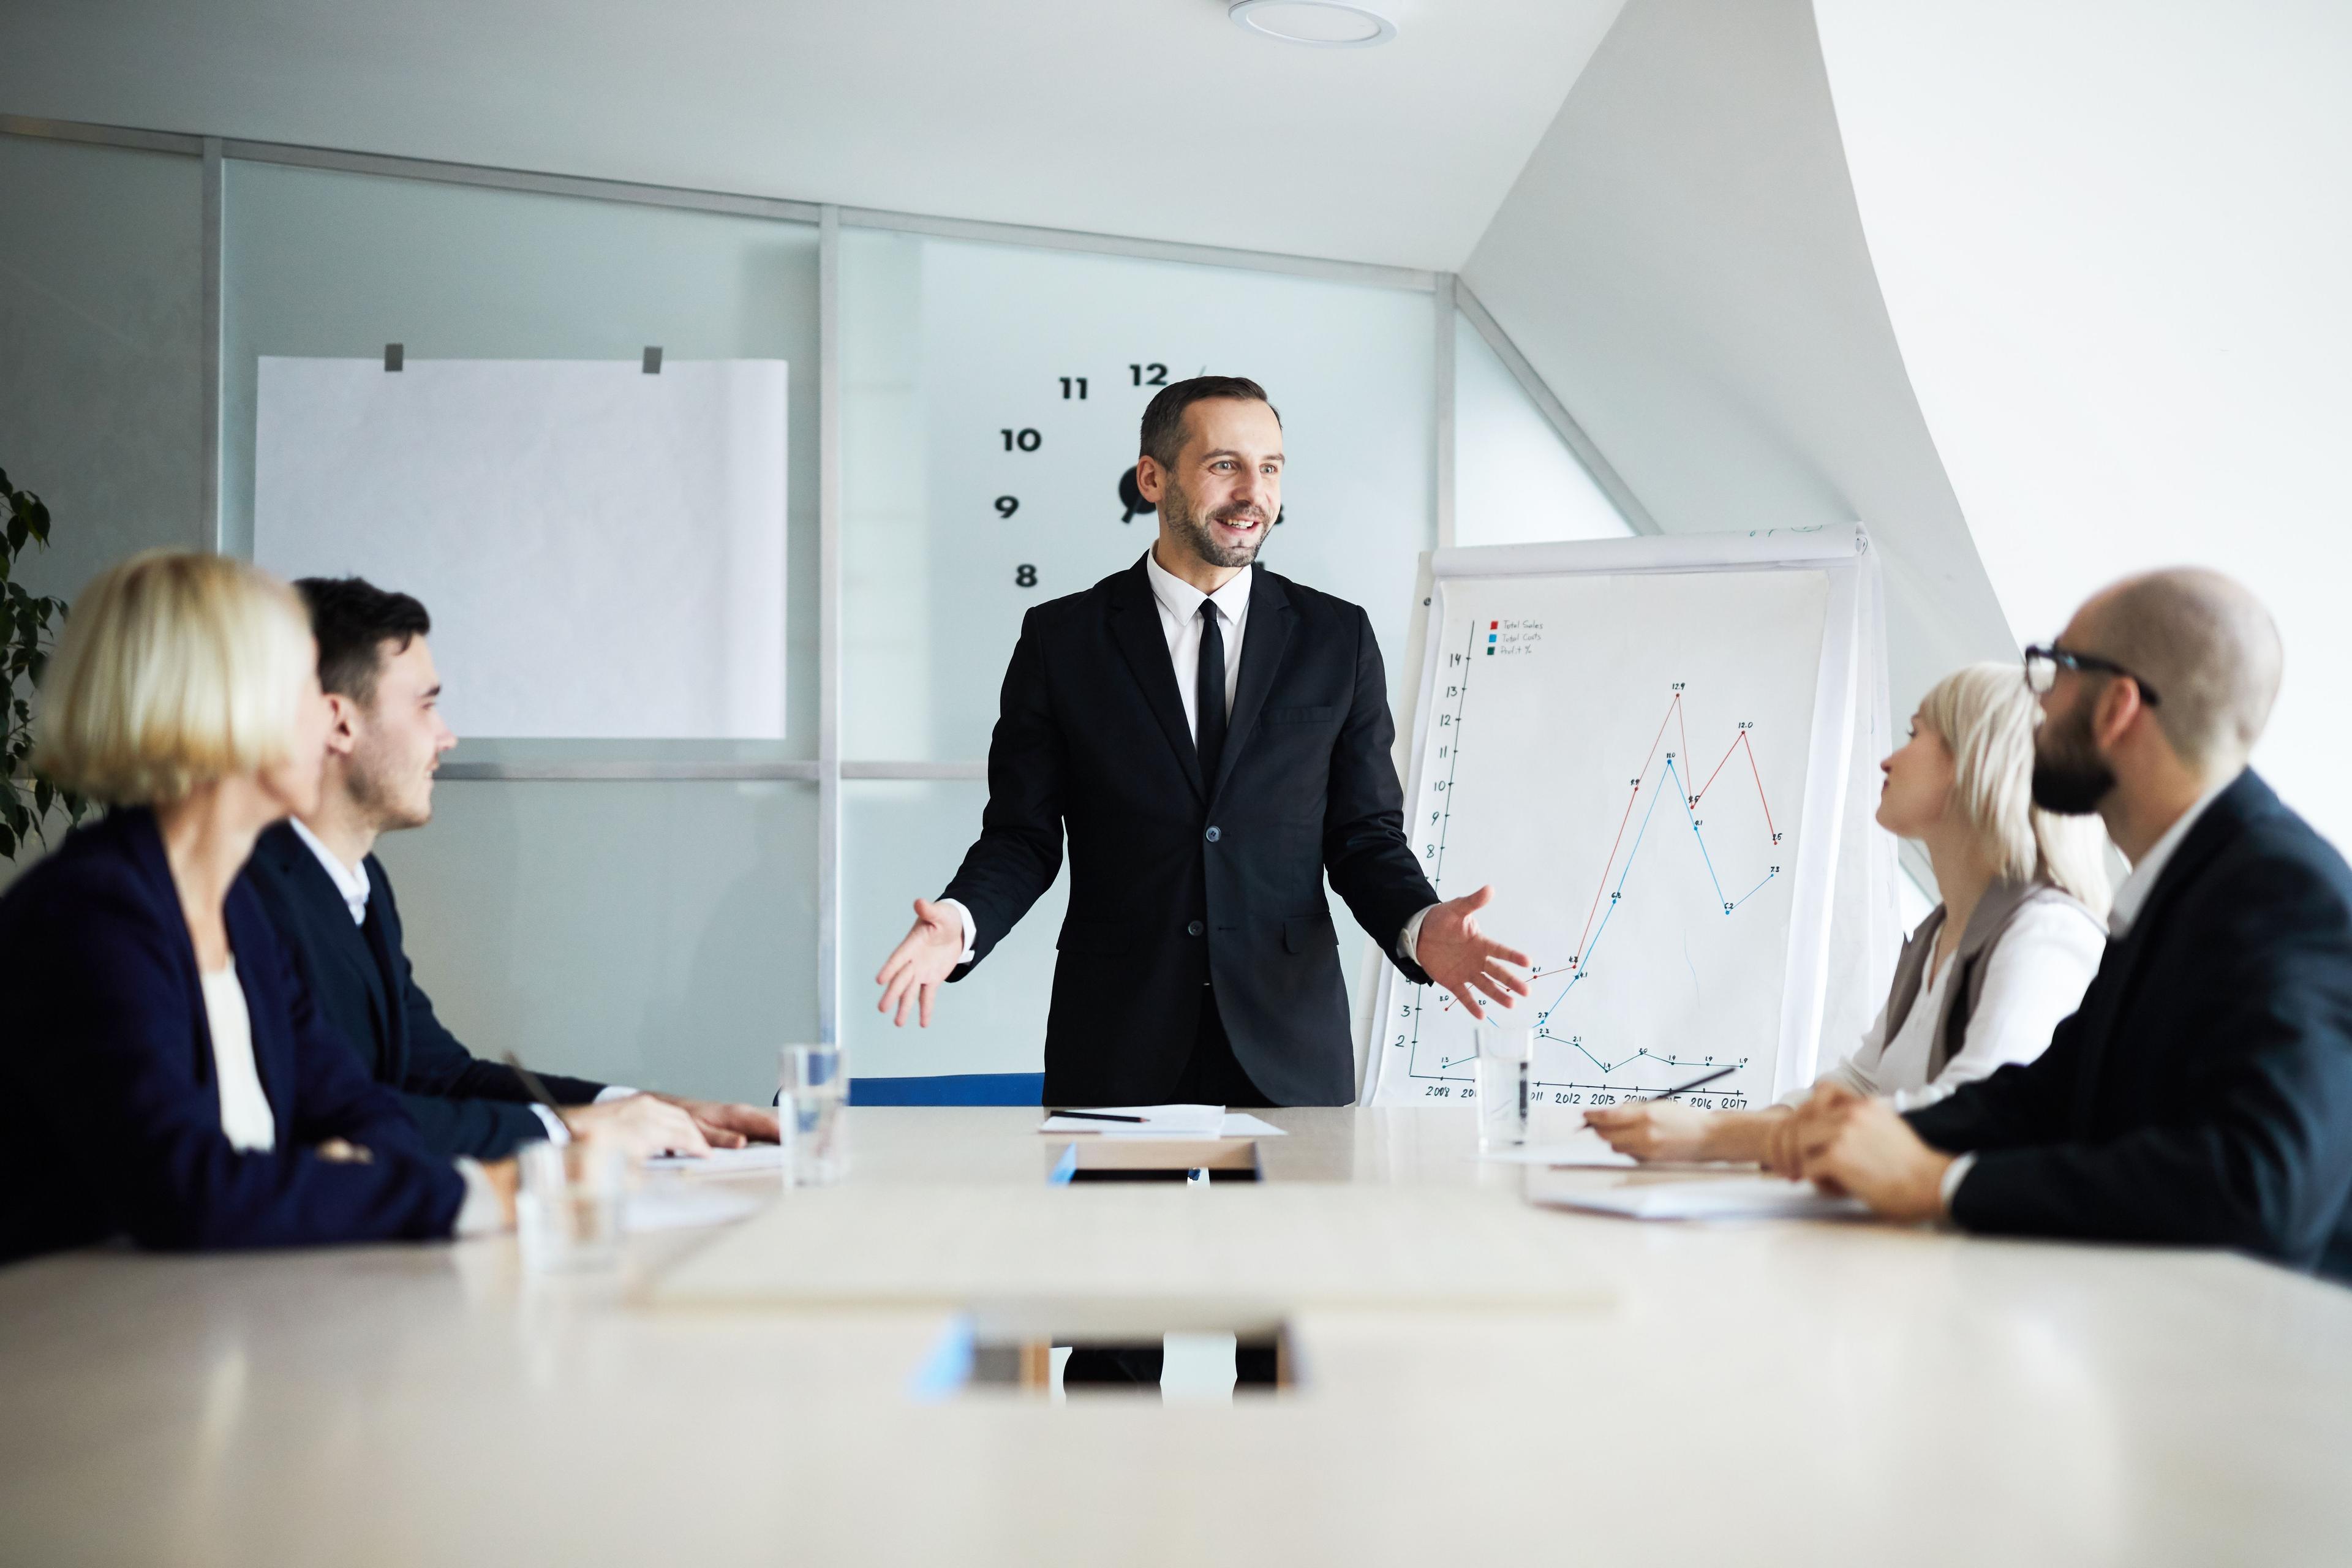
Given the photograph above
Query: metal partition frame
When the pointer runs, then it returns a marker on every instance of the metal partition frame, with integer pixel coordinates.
(827, 772)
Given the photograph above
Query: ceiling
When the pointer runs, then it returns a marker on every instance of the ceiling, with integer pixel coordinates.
(1153, 118)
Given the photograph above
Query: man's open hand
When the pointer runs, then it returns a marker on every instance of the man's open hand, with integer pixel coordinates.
(1849, 1142)
(1461, 959)
(922, 963)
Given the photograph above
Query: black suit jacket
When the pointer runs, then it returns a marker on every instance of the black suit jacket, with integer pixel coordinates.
(2203, 1091)
(1174, 878)
(107, 1069)
(365, 987)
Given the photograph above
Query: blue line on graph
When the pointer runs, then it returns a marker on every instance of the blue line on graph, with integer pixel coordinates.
(1584, 959)
(1684, 796)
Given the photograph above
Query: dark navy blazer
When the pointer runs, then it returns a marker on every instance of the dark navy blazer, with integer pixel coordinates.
(2203, 1091)
(108, 1069)
(461, 1105)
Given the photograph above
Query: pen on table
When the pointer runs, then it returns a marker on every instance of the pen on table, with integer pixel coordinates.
(1695, 1083)
(538, 1089)
(1095, 1116)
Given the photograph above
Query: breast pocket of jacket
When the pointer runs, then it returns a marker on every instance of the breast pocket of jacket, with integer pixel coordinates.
(1323, 714)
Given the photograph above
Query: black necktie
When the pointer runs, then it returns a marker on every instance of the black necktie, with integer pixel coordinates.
(1209, 696)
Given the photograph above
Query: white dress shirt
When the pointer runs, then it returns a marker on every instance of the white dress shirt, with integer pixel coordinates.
(2034, 977)
(1180, 622)
(246, 1119)
(352, 881)
(2130, 898)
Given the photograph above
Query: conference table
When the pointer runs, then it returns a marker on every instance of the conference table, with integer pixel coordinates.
(1755, 1391)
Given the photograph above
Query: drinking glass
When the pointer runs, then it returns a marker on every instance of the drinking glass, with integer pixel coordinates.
(568, 1205)
(811, 1084)
(1506, 1061)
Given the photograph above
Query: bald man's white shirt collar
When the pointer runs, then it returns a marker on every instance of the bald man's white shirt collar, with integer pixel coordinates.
(2132, 897)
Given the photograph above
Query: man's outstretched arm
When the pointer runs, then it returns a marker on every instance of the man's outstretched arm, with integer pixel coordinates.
(1015, 858)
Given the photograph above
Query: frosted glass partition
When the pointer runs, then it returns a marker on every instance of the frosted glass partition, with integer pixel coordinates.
(1515, 480)
(321, 263)
(648, 933)
(989, 400)
(101, 351)
(901, 840)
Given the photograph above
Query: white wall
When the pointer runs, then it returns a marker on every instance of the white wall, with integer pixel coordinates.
(2115, 241)
(1515, 480)
(1682, 262)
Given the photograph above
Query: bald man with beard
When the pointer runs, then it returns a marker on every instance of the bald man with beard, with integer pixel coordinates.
(2202, 1093)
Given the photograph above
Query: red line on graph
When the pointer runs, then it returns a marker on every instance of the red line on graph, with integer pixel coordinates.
(1760, 785)
(1673, 707)
(1718, 768)
(1674, 713)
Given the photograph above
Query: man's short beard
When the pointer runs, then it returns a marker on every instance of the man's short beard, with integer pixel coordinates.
(369, 784)
(1176, 511)
(2070, 778)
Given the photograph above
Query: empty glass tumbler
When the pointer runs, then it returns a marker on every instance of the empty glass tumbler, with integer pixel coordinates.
(568, 1205)
(813, 1084)
(1507, 1062)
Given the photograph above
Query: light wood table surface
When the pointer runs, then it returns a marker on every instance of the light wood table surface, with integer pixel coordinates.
(1757, 1392)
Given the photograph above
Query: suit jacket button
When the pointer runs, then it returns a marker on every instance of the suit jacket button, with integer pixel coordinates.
(1212, 836)
(1193, 929)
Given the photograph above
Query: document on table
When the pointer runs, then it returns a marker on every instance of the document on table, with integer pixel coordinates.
(1151, 1121)
(1735, 1197)
(723, 1162)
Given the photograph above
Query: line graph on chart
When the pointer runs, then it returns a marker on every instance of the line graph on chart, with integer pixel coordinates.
(1630, 791)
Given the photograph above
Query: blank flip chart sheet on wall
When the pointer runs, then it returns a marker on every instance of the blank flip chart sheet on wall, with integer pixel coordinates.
(601, 547)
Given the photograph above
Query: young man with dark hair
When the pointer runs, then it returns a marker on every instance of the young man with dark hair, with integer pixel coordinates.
(1214, 741)
(329, 898)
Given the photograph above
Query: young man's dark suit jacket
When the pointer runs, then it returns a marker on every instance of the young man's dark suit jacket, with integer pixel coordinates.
(2203, 1092)
(1175, 879)
(363, 982)
(107, 1069)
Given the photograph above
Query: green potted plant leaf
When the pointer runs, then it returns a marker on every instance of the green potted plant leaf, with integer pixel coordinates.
(29, 624)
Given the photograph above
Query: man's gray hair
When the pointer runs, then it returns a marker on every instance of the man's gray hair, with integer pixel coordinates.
(2209, 650)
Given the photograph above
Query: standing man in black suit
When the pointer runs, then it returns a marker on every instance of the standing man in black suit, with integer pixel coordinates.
(332, 904)
(1214, 741)
(2202, 1094)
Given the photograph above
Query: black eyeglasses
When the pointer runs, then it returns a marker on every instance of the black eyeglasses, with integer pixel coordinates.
(2043, 665)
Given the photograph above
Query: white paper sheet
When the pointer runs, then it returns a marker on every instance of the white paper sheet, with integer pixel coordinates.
(1158, 1122)
(1241, 1124)
(1735, 1197)
(601, 550)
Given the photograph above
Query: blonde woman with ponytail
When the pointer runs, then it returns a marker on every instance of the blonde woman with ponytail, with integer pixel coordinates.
(1991, 972)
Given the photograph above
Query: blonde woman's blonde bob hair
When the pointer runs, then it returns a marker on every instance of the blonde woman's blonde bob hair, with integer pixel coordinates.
(174, 670)
(1985, 717)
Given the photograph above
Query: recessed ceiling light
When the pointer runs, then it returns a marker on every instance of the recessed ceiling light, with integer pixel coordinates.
(1323, 24)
